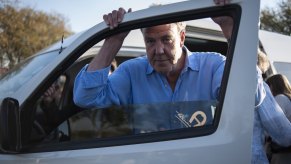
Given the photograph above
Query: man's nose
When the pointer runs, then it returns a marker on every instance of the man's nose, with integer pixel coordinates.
(159, 48)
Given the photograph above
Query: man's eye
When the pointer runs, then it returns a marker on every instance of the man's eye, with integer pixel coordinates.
(149, 41)
(167, 40)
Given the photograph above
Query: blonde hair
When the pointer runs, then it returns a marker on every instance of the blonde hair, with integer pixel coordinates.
(263, 62)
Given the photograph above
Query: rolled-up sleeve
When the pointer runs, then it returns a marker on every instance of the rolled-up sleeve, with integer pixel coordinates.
(273, 118)
(87, 86)
(92, 79)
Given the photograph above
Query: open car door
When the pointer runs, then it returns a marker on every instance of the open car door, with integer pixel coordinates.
(210, 131)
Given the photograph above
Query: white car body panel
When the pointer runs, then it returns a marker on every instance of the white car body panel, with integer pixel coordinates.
(277, 47)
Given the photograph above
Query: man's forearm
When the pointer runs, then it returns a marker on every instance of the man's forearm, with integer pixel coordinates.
(106, 54)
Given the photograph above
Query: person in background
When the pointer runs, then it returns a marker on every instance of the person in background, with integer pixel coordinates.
(263, 62)
(268, 116)
(281, 90)
(113, 66)
(48, 115)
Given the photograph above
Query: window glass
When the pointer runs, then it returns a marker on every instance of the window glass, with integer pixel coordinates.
(137, 119)
(23, 72)
(49, 113)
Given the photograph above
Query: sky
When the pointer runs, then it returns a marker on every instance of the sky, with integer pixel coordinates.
(83, 14)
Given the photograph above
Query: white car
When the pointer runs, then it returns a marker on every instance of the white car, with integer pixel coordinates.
(216, 131)
(277, 48)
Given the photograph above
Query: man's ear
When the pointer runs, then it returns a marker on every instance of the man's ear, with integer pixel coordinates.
(182, 37)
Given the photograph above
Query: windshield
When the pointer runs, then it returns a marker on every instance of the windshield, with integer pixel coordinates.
(283, 68)
(24, 71)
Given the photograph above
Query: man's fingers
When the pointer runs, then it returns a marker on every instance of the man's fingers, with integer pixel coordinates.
(121, 13)
(115, 17)
(105, 18)
(110, 21)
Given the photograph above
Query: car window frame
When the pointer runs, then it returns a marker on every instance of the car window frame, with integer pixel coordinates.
(145, 138)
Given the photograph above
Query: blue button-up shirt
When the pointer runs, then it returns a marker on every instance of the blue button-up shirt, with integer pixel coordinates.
(136, 82)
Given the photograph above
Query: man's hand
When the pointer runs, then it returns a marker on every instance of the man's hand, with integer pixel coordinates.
(51, 94)
(225, 22)
(115, 17)
(112, 44)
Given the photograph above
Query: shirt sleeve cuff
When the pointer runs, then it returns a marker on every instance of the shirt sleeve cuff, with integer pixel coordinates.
(91, 79)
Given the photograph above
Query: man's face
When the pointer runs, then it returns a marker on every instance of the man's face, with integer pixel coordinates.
(164, 46)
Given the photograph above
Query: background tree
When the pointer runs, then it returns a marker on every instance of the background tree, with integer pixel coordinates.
(24, 31)
(277, 20)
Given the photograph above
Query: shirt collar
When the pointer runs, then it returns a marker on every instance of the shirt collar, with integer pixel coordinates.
(193, 64)
(188, 64)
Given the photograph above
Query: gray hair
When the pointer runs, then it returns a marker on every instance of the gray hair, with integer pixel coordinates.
(181, 26)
